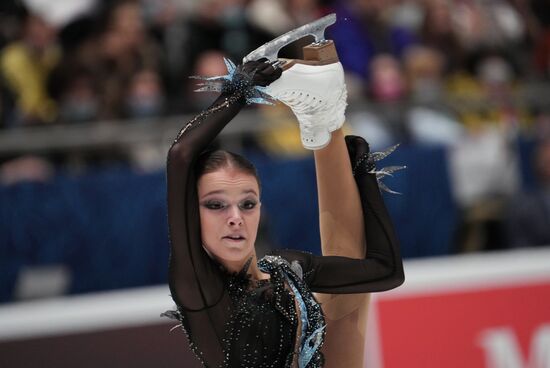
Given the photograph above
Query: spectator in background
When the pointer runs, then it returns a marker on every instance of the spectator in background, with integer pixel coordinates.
(482, 24)
(387, 90)
(424, 67)
(219, 25)
(383, 118)
(541, 52)
(408, 101)
(528, 216)
(79, 101)
(483, 166)
(144, 97)
(362, 33)
(430, 120)
(25, 65)
(437, 31)
(75, 82)
(164, 20)
(111, 63)
(125, 48)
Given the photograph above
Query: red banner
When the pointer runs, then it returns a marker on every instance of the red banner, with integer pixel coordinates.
(467, 329)
(464, 319)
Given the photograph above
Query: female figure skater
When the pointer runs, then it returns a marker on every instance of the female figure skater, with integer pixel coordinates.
(241, 312)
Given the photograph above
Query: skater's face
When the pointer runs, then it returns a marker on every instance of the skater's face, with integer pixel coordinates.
(229, 206)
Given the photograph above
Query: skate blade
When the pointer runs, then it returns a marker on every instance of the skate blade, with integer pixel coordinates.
(271, 49)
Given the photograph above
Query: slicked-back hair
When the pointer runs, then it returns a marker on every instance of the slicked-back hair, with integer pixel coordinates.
(214, 160)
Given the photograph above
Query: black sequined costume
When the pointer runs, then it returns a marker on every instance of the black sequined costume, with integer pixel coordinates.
(232, 321)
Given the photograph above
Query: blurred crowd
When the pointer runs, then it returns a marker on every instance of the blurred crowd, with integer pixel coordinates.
(470, 75)
(87, 60)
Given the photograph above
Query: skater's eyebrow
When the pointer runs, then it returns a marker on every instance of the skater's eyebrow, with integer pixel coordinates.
(223, 191)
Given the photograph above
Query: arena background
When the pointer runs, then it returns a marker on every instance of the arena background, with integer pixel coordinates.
(93, 92)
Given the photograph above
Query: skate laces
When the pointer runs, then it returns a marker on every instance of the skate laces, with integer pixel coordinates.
(310, 110)
(301, 102)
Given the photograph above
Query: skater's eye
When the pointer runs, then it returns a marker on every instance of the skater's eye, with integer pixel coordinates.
(214, 205)
(248, 204)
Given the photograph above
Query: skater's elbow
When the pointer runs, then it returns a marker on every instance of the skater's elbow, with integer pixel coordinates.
(394, 274)
(180, 153)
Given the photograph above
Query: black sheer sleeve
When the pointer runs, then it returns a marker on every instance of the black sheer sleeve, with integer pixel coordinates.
(382, 267)
(196, 282)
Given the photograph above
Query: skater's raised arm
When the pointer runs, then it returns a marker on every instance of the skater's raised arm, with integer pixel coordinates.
(195, 280)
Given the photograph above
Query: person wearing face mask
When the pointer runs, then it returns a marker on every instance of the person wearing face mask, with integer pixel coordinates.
(236, 310)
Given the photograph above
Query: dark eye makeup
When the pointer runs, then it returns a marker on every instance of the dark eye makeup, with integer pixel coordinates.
(247, 204)
(214, 205)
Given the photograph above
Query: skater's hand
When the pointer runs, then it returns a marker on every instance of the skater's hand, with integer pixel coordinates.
(260, 72)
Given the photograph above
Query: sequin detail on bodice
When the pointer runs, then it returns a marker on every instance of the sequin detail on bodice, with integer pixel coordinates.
(263, 326)
(312, 332)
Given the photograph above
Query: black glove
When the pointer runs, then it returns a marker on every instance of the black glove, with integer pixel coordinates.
(260, 72)
(249, 75)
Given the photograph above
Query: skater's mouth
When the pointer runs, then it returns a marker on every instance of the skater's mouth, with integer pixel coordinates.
(234, 237)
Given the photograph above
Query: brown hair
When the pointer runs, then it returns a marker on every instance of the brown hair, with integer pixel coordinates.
(210, 161)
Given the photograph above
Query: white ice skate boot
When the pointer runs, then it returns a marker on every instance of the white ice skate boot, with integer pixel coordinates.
(316, 92)
(314, 87)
